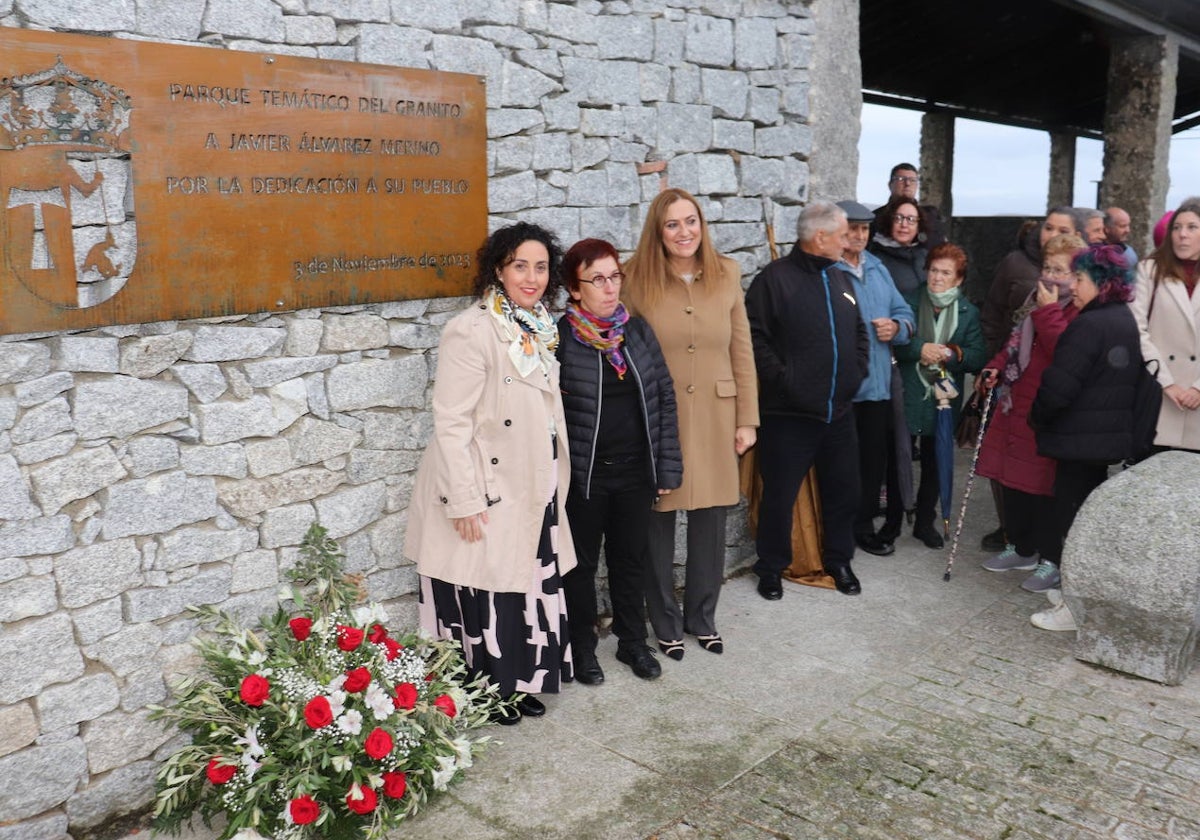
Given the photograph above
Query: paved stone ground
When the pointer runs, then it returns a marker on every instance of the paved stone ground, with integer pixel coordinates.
(921, 710)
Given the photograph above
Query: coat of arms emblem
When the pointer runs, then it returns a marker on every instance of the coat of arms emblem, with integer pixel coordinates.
(66, 191)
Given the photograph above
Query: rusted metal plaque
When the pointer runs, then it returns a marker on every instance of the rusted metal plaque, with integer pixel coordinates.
(145, 182)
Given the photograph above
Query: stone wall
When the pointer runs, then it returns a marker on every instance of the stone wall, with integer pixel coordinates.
(147, 467)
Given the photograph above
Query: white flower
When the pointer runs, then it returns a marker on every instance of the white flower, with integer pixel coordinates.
(447, 768)
(337, 682)
(337, 702)
(362, 615)
(253, 751)
(462, 749)
(379, 701)
(258, 657)
(350, 722)
(248, 834)
(342, 763)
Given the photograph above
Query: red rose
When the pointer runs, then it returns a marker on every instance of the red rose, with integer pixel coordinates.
(219, 773)
(357, 680)
(304, 809)
(365, 804)
(254, 690)
(317, 713)
(393, 648)
(349, 637)
(301, 627)
(378, 744)
(429, 677)
(378, 634)
(446, 704)
(394, 785)
(406, 696)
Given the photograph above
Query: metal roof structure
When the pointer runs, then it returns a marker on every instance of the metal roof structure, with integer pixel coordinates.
(1031, 63)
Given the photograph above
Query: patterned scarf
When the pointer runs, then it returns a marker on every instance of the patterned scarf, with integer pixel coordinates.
(1019, 346)
(603, 334)
(532, 333)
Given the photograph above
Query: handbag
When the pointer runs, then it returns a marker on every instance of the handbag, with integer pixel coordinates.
(967, 430)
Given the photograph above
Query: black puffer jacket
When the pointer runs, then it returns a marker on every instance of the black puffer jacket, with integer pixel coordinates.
(810, 342)
(1084, 407)
(580, 382)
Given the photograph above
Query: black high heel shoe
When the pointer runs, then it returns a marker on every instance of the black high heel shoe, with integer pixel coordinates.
(712, 644)
(672, 649)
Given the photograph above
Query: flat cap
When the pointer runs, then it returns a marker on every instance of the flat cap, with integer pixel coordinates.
(856, 212)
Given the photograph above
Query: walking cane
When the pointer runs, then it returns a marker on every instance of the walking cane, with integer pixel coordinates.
(986, 415)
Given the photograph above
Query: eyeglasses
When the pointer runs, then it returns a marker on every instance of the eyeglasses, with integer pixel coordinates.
(1057, 272)
(907, 220)
(906, 179)
(616, 278)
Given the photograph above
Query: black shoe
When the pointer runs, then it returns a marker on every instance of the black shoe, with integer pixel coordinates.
(530, 706)
(844, 580)
(641, 661)
(587, 669)
(889, 532)
(770, 587)
(928, 535)
(712, 644)
(505, 716)
(872, 544)
(995, 541)
(673, 649)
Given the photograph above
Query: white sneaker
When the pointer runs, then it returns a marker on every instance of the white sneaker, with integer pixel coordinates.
(1008, 560)
(1055, 618)
(1054, 596)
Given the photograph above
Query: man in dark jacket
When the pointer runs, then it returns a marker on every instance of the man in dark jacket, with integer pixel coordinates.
(811, 350)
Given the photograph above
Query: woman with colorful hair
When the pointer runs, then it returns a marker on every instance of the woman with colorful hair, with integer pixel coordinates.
(1083, 414)
(620, 406)
(692, 297)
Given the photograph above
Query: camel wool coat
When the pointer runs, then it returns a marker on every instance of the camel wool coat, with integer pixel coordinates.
(490, 451)
(1170, 333)
(705, 338)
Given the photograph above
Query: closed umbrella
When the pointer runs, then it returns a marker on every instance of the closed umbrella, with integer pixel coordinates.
(944, 390)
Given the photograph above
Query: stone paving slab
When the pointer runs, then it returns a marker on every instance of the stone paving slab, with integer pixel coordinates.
(921, 710)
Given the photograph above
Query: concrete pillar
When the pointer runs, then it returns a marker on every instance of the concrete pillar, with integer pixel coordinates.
(1142, 71)
(1062, 171)
(937, 162)
(834, 76)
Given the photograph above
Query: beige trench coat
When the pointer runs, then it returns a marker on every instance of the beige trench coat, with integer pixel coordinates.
(705, 339)
(1172, 336)
(490, 451)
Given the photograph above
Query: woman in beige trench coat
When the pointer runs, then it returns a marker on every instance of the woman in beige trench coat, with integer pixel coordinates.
(1167, 309)
(487, 524)
(693, 299)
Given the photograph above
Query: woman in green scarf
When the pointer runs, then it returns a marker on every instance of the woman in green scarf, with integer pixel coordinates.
(948, 343)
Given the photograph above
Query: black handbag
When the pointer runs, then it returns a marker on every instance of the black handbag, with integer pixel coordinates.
(967, 430)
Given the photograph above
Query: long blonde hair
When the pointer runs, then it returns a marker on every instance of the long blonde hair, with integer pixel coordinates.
(648, 272)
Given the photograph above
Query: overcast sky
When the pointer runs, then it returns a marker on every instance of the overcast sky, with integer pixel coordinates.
(998, 169)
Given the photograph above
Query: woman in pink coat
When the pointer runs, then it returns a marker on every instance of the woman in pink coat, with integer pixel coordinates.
(1009, 452)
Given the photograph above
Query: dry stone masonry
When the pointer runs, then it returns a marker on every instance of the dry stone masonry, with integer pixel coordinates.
(147, 467)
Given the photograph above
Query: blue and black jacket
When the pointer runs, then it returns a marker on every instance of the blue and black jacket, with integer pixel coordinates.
(810, 344)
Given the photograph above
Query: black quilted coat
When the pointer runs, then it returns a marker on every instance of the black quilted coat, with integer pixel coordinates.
(580, 382)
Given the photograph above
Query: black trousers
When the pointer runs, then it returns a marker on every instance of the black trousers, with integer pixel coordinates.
(617, 514)
(1029, 522)
(1074, 481)
(873, 420)
(787, 448)
(929, 489)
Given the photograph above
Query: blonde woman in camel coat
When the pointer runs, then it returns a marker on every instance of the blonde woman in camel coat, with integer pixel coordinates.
(693, 299)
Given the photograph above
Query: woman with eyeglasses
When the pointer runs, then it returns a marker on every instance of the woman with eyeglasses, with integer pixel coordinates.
(1009, 453)
(487, 526)
(620, 407)
(692, 297)
(899, 242)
